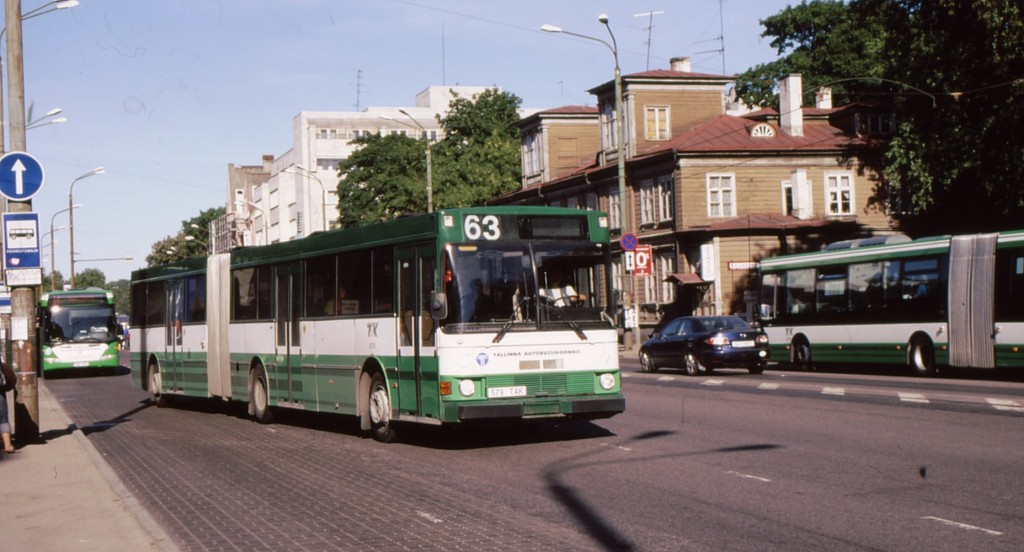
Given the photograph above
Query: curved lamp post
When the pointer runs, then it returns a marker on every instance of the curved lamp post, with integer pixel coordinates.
(627, 282)
(303, 171)
(71, 217)
(426, 141)
(52, 230)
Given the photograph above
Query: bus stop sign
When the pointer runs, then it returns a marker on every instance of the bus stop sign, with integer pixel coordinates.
(21, 176)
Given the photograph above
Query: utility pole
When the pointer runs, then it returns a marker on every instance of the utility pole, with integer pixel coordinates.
(23, 297)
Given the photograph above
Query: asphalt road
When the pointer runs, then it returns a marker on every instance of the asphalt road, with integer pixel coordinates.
(728, 461)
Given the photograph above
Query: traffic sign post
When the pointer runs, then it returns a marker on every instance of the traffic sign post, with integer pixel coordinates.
(21, 176)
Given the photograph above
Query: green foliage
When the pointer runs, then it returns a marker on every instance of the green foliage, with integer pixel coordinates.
(478, 159)
(177, 247)
(953, 70)
(90, 277)
(122, 295)
(58, 280)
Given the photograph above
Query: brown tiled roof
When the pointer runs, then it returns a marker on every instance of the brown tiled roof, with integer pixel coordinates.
(586, 109)
(729, 133)
(669, 74)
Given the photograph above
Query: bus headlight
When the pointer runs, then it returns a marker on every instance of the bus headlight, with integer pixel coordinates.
(607, 381)
(467, 388)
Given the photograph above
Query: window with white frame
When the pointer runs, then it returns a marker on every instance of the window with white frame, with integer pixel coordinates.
(839, 194)
(656, 289)
(324, 164)
(656, 122)
(617, 279)
(787, 197)
(648, 202)
(665, 198)
(531, 154)
(614, 210)
(721, 195)
(609, 128)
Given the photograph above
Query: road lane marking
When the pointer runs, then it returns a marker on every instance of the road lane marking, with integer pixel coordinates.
(749, 476)
(913, 398)
(833, 391)
(1005, 405)
(429, 517)
(713, 382)
(667, 378)
(959, 525)
(769, 386)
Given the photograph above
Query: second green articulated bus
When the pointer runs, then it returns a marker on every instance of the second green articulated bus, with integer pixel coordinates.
(78, 330)
(949, 301)
(443, 318)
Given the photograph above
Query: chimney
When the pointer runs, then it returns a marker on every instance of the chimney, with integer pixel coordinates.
(823, 98)
(268, 159)
(791, 118)
(681, 64)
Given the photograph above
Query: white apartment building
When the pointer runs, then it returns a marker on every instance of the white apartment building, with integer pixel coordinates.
(297, 194)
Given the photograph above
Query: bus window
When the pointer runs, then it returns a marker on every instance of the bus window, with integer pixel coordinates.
(320, 286)
(831, 290)
(799, 291)
(1009, 291)
(195, 297)
(383, 277)
(769, 287)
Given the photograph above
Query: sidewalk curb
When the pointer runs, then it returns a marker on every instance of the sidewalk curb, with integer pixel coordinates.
(161, 540)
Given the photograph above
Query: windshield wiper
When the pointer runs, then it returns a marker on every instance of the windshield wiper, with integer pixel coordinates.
(572, 323)
(511, 320)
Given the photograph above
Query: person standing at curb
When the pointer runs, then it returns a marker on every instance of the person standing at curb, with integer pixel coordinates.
(7, 382)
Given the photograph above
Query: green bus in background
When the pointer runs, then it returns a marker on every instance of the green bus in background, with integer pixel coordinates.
(78, 331)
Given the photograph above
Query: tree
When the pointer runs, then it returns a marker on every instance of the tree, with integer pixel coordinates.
(58, 281)
(177, 247)
(91, 277)
(477, 160)
(122, 296)
(952, 72)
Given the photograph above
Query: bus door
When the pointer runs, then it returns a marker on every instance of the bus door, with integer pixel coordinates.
(173, 375)
(971, 301)
(288, 280)
(417, 363)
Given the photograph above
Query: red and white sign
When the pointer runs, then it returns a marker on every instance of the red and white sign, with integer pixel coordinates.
(638, 261)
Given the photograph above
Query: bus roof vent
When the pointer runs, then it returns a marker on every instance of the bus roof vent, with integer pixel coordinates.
(865, 242)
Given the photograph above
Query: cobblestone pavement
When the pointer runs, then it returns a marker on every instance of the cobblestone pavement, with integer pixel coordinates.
(215, 480)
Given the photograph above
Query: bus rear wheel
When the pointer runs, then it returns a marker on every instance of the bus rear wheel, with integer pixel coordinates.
(922, 356)
(259, 398)
(380, 410)
(155, 386)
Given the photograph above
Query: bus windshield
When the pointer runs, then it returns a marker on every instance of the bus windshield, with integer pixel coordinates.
(525, 285)
(83, 324)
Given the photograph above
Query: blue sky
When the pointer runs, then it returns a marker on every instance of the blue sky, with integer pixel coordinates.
(165, 94)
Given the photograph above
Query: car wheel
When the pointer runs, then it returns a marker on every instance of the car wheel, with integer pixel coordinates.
(922, 356)
(756, 369)
(693, 366)
(646, 362)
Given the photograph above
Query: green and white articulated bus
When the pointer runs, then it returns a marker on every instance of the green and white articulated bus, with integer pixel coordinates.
(78, 331)
(951, 301)
(436, 319)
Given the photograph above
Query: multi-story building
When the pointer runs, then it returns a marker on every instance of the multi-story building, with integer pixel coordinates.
(710, 191)
(296, 192)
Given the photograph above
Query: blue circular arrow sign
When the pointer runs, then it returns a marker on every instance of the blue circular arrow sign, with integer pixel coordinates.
(21, 176)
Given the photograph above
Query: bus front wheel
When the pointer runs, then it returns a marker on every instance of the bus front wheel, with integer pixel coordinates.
(922, 356)
(259, 398)
(380, 410)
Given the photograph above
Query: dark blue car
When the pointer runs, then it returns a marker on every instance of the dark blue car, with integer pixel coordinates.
(703, 343)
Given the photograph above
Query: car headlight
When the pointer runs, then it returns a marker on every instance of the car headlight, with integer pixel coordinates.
(467, 388)
(607, 381)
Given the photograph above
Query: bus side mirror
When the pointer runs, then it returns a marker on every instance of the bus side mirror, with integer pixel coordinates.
(120, 332)
(438, 306)
(766, 312)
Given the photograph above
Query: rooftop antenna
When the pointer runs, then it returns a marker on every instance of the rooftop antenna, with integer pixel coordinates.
(359, 87)
(720, 38)
(444, 73)
(650, 25)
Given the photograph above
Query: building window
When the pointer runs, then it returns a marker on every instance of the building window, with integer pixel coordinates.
(572, 202)
(721, 195)
(531, 154)
(787, 197)
(614, 210)
(648, 202)
(656, 123)
(656, 288)
(609, 128)
(328, 164)
(617, 279)
(665, 198)
(328, 134)
(839, 194)
(591, 201)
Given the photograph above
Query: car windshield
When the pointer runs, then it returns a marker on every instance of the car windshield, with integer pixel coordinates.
(525, 285)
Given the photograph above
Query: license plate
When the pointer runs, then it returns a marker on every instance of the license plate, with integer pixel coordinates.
(743, 344)
(82, 364)
(506, 392)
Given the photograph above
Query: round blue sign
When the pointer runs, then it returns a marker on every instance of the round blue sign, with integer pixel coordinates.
(628, 242)
(21, 176)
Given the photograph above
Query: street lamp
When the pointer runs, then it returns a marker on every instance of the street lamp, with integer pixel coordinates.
(426, 140)
(71, 217)
(303, 171)
(627, 282)
(43, 122)
(52, 264)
